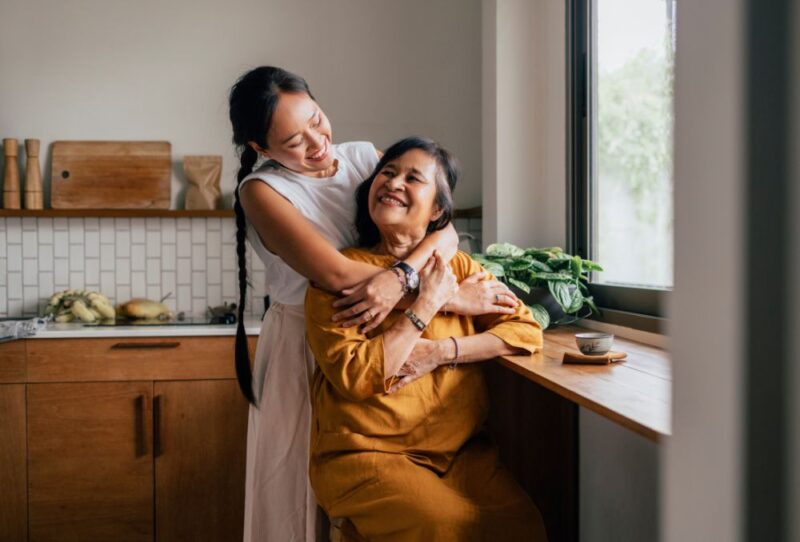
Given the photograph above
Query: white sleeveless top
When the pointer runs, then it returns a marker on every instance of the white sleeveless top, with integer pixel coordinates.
(329, 203)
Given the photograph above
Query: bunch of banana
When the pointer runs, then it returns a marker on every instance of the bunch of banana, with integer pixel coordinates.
(83, 305)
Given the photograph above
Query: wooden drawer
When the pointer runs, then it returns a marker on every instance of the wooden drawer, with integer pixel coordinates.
(12, 362)
(120, 359)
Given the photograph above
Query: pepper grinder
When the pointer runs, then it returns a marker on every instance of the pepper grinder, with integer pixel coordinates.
(34, 198)
(11, 197)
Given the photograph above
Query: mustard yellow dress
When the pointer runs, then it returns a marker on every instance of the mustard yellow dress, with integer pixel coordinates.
(414, 465)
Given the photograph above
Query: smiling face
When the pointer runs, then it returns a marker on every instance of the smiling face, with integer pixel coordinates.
(402, 198)
(299, 136)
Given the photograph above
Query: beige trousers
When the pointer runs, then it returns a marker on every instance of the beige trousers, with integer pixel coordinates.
(279, 502)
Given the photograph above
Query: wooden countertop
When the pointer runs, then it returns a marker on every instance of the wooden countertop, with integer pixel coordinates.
(635, 393)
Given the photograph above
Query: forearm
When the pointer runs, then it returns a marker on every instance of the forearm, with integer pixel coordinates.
(400, 338)
(475, 348)
(344, 274)
(444, 241)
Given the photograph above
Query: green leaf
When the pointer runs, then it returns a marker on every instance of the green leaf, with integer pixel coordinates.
(554, 276)
(519, 265)
(576, 264)
(559, 264)
(519, 284)
(589, 265)
(494, 268)
(541, 315)
(577, 302)
(561, 293)
(540, 254)
(541, 266)
(504, 250)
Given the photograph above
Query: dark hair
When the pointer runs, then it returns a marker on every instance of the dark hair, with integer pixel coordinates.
(252, 103)
(446, 179)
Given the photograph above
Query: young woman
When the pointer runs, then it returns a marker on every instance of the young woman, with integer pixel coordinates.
(297, 211)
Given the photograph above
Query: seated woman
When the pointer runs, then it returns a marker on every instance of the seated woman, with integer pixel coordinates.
(397, 446)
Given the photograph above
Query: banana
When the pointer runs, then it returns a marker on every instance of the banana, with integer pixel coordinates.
(85, 305)
(105, 309)
(80, 310)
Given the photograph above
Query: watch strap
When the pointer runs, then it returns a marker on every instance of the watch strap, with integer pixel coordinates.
(418, 323)
(412, 277)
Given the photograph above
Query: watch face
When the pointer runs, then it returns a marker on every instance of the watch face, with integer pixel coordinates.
(413, 281)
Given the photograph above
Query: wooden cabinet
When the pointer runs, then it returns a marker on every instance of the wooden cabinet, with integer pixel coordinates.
(135, 439)
(13, 481)
(200, 460)
(90, 473)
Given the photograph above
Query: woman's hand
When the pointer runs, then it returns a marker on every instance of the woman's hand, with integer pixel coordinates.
(437, 283)
(478, 296)
(426, 356)
(369, 302)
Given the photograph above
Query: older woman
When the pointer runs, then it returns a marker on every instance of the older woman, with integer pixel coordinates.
(397, 447)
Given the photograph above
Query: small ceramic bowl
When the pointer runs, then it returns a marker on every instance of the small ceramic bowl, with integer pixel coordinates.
(594, 344)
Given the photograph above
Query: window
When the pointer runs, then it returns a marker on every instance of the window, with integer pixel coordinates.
(621, 75)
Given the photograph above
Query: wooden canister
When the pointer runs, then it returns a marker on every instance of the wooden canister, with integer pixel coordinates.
(11, 199)
(34, 198)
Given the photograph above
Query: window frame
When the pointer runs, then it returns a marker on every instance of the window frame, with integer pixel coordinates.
(639, 308)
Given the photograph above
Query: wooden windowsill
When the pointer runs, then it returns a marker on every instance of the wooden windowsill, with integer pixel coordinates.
(635, 393)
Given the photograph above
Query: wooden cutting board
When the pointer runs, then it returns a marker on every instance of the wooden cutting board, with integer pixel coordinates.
(111, 175)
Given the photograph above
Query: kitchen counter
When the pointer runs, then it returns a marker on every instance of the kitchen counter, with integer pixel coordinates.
(80, 331)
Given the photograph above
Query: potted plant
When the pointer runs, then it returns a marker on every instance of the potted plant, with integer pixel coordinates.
(553, 283)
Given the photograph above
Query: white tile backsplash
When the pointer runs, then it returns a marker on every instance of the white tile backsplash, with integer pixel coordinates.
(194, 259)
(168, 259)
(77, 257)
(30, 272)
(61, 243)
(138, 257)
(153, 276)
(153, 244)
(29, 244)
(45, 257)
(14, 258)
(92, 243)
(46, 230)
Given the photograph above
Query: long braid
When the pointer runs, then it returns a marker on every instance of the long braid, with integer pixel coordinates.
(244, 374)
(252, 102)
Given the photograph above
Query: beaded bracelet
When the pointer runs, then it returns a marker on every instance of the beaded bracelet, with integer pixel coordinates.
(454, 363)
(400, 276)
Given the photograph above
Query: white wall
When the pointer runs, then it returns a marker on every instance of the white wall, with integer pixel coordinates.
(150, 69)
(524, 137)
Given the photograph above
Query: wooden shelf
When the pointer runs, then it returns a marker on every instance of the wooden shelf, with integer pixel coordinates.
(134, 213)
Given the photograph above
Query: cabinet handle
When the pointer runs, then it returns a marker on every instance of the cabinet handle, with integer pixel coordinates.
(138, 409)
(144, 346)
(157, 446)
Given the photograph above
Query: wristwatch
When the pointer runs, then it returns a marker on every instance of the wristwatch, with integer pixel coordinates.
(412, 277)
